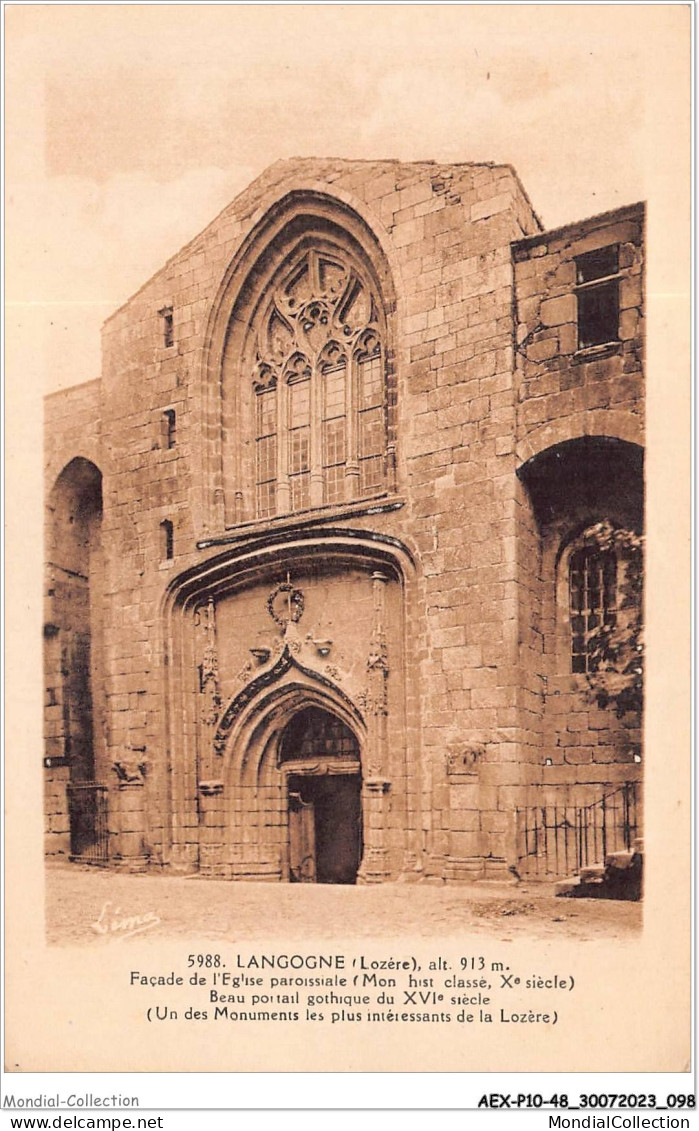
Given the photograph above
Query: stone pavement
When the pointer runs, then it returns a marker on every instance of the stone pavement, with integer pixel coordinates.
(86, 906)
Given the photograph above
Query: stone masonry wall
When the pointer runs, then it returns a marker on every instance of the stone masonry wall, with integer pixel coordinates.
(558, 384)
(566, 392)
(466, 405)
(72, 427)
(447, 234)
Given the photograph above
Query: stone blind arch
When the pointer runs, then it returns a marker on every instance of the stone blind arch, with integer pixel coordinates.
(69, 454)
(571, 487)
(74, 666)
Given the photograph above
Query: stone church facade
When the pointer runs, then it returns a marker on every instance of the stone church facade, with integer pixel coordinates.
(319, 580)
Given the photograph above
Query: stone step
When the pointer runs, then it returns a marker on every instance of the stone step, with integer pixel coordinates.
(620, 860)
(592, 872)
(618, 878)
(565, 887)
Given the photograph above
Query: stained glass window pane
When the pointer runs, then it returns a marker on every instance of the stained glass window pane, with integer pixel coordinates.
(335, 484)
(334, 436)
(319, 296)
(371, 382)
(300, 487)
(299, 450)
(371, 473)
(266, 453)
(371, 432)
(266, 458)
(334, 389)
(299, 404)
(267, 412)
(333, 442)
(266, 499)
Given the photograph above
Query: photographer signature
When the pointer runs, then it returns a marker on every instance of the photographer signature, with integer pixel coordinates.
(112, 921)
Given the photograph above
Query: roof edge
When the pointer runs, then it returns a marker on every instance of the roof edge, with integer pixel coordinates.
(639, 208)
(295, 161)
(72, 388)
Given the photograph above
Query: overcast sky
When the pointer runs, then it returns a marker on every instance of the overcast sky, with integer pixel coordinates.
(130, 127)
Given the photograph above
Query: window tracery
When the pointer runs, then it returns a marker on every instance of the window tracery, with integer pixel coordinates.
(319, 385)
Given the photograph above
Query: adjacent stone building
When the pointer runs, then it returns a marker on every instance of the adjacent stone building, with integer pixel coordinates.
(320, 585)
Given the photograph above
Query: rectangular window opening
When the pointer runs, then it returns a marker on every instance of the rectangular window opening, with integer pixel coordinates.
(599, 264)
(167, 540)
(170, 427)
(598, 296)
(168, 326)
(598, 315)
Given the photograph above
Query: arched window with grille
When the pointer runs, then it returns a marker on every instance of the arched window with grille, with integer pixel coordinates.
(318, 379)
(592, 586)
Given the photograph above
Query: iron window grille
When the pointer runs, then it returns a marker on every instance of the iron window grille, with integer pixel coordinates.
(593, 576)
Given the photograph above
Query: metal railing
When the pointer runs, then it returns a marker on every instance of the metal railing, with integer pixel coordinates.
(559, 840)
(89, 825)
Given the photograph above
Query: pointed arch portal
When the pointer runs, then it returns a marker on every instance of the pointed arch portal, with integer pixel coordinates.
(292, 783)
(279, 699)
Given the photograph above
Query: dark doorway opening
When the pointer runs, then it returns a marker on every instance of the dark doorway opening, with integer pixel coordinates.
(89, 828)
(321, 756)
(325, 828)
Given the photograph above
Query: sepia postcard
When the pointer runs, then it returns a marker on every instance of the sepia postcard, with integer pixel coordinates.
(347, 559)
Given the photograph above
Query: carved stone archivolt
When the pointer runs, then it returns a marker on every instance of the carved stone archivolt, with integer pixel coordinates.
(276, 653)
(269, 675)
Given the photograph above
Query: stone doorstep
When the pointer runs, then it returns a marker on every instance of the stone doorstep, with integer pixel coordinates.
(597, 875)
(589, 877)
(594, 873)
(621, 860)
(565, 887)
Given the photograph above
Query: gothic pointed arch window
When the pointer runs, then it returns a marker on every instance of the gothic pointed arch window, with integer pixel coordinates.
(315, 355)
